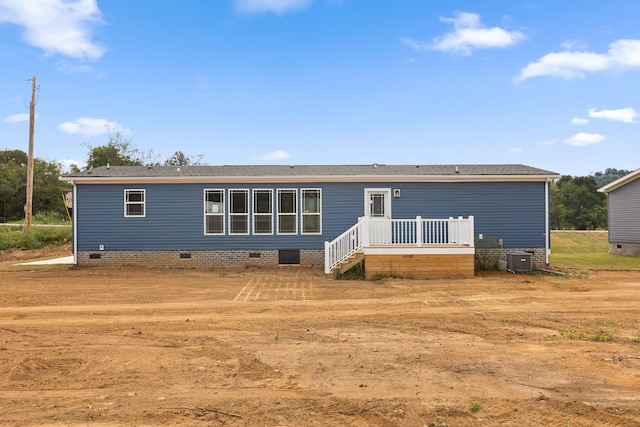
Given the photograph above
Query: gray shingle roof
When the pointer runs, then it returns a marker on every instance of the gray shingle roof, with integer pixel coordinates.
(262, 171)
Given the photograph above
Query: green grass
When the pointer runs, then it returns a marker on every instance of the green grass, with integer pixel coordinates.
(475, 406)
(39, 236)
(587, 250)
(602, 335)
(54, 218)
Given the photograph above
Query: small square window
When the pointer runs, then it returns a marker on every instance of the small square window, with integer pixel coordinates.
(134, 203)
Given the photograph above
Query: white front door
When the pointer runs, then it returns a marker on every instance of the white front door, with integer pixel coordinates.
(377, 206)
(378, 203)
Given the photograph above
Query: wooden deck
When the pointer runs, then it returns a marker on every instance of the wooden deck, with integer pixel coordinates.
(405, 248)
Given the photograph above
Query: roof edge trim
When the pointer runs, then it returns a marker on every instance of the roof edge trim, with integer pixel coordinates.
(305, 179)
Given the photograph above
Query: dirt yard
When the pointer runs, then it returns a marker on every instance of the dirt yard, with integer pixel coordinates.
(289, 347)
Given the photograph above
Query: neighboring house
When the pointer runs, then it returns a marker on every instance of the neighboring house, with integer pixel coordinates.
(623, 196)
(409, 220)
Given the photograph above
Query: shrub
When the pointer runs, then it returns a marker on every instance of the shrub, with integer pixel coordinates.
(38, 237)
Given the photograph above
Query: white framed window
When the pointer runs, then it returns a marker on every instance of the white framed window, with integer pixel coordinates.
(238, 211)
(134, 203)
(287, 211)
(311, 210)
(262, 211)
(213, 211)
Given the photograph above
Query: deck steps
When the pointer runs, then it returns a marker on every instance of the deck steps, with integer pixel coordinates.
(349, 263)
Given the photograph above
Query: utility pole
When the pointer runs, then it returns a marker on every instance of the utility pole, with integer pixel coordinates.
(28, 209)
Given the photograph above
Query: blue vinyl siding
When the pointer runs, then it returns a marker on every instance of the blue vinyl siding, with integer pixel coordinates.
(512, 211)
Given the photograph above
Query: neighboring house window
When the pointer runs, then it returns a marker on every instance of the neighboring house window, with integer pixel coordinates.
(134, 203)
(262, 211)
(311, 211)
(214, 211)
(238, 211)
(287, 212)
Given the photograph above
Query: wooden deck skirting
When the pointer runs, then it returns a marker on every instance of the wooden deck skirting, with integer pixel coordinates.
(419, 266)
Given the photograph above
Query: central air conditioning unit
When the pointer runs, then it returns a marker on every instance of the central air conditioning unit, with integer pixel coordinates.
(519, 262)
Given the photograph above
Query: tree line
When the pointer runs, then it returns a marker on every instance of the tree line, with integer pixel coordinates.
(48, 190)
(575, 202)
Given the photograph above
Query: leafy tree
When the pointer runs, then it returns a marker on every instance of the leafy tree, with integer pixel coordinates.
(13, 187)
(117, 152)
(609, 175)
(47, 188)
(181, 159)
(16, 156)
(558, 211)
(122, 152)
(576, 204)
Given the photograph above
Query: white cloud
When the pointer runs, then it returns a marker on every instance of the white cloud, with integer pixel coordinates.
(583, 139)
(67, 68)
(469, 34)
(626, 115)
(66, 164)
(89, 127)
(414, 44)
(56, 26)
(579, 121)
(275, 156)
(622, 54)
(574, 45)
(17, 118)
(279, 7)
(516, 150)
(546, 142)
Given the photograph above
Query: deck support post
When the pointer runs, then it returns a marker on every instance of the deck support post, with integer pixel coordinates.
(327, 264)
(365, 231)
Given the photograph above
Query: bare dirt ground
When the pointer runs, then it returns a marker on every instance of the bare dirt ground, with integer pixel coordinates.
(289, 347)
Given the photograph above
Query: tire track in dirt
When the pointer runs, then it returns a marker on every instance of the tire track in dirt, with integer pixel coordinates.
(274, 287)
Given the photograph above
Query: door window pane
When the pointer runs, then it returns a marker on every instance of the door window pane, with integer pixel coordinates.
(377, 205)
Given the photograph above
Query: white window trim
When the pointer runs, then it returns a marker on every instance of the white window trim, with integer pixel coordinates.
(295, 214)
(231, 214)
(144, 202)
(303, 214)
(222, 213)
(254, 213)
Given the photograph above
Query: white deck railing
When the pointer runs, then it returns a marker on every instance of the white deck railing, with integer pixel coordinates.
(416, 232)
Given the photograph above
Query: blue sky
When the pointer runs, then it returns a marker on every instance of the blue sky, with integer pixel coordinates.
(551, 84)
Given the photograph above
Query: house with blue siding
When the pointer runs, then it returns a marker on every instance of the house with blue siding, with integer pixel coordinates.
(405, 220)
(623, 200)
